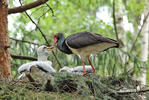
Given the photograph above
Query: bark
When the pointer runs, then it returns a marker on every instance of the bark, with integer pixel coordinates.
(144, 47)
(144, 50)
(26, 7)
(5, 70)
(119, 27)
(23, 57)
(119, 21)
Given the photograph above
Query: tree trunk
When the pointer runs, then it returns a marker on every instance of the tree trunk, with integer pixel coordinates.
(120, 27)
(119, 21)
(5, 70)
(144, 47)
(144, 51)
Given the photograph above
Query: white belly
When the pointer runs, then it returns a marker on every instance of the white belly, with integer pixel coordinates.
(92, 49)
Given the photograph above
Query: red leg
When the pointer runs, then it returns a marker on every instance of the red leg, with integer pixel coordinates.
(91, 64)
(84, 70)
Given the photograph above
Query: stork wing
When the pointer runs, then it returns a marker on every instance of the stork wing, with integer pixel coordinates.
(84, 39)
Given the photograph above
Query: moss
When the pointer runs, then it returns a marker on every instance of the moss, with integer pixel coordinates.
(64, 86)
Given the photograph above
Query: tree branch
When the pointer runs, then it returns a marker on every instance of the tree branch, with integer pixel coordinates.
(138, 34)
(43, 36)
(50, 9)
(26, 7)
(31, 79)
(24, 41)
(36, 25)
(132, 91)
(114, 20)
(23, 57)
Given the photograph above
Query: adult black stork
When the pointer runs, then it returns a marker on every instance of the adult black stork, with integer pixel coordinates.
(84, 44)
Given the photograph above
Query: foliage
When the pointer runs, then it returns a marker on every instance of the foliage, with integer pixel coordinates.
(114, 68)
(135, 8)
(71, 16)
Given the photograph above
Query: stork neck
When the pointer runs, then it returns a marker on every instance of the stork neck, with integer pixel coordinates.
(42, 58)
(61, 41)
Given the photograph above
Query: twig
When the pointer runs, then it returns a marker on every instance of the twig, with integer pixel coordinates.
(42, 35)
(24, 41)
(114, 20)
(138, 34)
(30, 78)
(23, 57)
(37, 28)
(132, 91)
(133, 45)
(26, 7)
(50, 9)
(37, 10)
(42, 15)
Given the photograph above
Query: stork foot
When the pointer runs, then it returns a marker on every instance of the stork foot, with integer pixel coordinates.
(84, 72)
(93, 69)
(91, 64)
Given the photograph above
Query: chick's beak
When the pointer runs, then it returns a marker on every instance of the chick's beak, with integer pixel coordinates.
(50, 48)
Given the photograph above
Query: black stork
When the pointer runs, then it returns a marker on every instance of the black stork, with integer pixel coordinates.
(84, 44)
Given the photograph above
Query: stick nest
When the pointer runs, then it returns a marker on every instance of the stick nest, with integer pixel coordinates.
(91, 85)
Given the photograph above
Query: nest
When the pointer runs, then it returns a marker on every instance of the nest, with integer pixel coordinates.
(91, 85)
(112, 88)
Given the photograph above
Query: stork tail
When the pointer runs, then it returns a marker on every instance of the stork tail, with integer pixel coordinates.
(120, 43)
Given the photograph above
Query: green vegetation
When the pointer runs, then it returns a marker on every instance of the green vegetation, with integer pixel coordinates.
(13, 92)
(72, 16)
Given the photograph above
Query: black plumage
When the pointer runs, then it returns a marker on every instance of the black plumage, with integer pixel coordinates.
(62, 44)
(84, 44)
(83, 39)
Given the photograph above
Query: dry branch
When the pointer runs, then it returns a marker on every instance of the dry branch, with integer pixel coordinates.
(24, 41)
(23, 57)
(37, 28)
(50, 9)
(132, 91)
(26, 7)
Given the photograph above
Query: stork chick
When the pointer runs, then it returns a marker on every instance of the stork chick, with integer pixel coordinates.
(43, 64)
(76, 70)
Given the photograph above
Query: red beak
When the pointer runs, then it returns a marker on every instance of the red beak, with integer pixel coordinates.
(55, 40)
